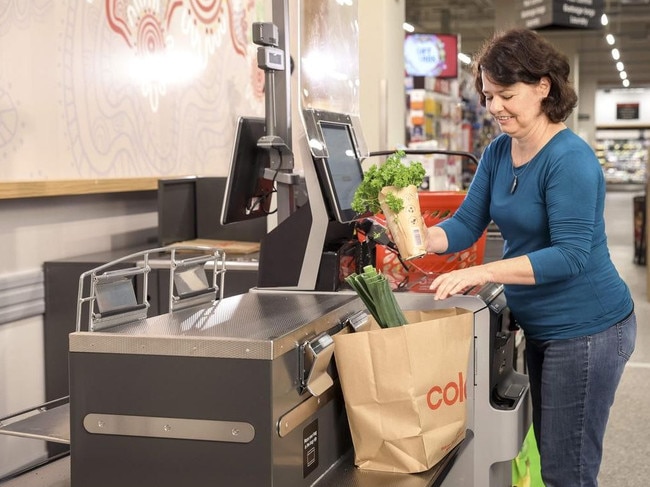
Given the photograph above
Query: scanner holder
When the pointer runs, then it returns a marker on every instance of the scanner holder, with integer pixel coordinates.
(112, 299)
(270, 59)
(315, 355)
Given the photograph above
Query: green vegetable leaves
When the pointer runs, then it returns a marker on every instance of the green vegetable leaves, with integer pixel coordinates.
(394, 202)
(393, 172)
(375, 292)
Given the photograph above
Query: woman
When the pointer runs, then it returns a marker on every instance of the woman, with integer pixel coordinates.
(544, 188)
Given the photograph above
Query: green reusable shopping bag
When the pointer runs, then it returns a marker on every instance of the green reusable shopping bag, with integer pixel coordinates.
(526, 470)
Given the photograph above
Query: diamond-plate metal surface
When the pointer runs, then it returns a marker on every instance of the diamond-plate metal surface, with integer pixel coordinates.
(253, 325)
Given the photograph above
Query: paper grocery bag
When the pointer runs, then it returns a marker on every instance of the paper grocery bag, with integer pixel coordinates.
(405, 389)
(407, 228)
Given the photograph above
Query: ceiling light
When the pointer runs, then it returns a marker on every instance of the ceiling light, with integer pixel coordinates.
(464, 58)
(620, 66)
(408, 27)
(616, 54)
(626, 83)
(610, 39)
(604, 20)
(623, 75)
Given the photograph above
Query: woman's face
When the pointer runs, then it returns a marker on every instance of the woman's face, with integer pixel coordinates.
(516, 108)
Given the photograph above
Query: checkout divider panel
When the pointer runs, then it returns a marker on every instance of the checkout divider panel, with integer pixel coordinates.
(218, 389)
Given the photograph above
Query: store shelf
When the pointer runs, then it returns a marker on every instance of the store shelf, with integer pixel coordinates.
(446, 114)
(623, 155)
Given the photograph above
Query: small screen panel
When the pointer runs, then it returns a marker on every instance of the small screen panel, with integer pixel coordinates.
(248, 194)
(342, 169)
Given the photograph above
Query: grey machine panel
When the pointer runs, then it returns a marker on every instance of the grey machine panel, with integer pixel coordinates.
(197, 397)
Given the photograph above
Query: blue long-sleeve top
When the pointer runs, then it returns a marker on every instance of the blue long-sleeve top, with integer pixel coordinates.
(556, 218)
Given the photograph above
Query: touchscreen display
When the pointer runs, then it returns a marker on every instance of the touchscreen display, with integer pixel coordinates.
(248, 194)
(343, 168)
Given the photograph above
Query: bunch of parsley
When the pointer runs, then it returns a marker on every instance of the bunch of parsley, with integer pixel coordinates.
(393, 172)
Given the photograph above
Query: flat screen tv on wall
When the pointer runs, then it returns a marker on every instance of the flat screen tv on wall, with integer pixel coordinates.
(434, 55)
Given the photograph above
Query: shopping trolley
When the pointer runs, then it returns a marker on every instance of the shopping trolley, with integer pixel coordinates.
(436, 206)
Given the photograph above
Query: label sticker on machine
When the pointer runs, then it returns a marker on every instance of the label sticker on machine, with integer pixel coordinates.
(310, 448)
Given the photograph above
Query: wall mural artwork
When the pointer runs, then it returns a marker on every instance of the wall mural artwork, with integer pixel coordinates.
(124, 88)
(148, 30)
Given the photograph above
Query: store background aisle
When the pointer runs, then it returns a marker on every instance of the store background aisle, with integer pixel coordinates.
(627, 441)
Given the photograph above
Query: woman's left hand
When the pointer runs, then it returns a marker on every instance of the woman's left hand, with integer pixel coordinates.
(457, 281)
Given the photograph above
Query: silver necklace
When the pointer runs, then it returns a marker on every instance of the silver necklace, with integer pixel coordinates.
(515, 177)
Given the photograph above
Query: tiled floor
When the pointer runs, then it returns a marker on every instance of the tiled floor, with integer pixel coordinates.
(626, 461)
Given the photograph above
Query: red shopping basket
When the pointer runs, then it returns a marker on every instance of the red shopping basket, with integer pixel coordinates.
(417, 274)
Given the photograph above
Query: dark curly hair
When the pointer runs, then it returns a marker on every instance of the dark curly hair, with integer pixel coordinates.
(522, 55)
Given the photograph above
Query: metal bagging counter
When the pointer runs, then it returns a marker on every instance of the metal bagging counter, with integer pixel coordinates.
(240, 391)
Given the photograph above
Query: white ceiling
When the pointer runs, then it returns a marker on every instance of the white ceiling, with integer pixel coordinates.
(629, 21)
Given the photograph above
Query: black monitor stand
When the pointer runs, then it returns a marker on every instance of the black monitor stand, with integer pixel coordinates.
(306, 250)
(290, 257)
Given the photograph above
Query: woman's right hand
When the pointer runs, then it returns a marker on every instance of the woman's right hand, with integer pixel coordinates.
(436, 240)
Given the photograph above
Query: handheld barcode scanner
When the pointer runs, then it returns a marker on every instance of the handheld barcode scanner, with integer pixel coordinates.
(377, 232)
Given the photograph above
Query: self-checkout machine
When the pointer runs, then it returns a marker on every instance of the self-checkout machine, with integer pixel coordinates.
(243, 390)
(312, 243)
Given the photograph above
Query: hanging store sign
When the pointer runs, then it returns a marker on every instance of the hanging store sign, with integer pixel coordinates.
(579, 14)
(627, 111)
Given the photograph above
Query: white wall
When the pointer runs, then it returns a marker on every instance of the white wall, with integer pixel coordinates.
(607, 100)
(33, 231)
(586, 126)
(22, 384)
(381, 63)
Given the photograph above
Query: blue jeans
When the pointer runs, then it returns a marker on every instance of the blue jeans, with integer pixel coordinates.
(572, 385)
